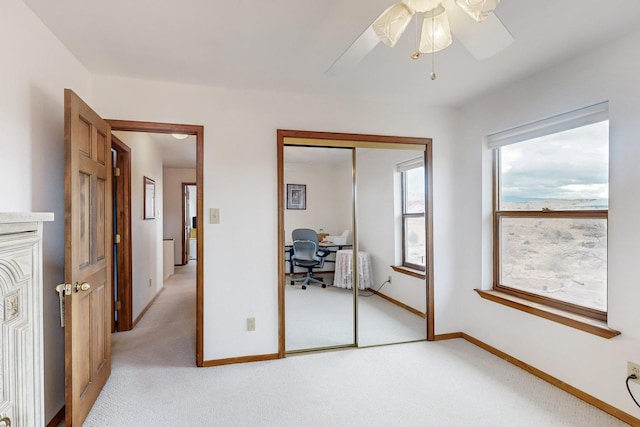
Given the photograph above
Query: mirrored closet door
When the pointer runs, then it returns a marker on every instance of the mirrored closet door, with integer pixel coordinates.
(318, 184)
(356, 194)
(391, 233)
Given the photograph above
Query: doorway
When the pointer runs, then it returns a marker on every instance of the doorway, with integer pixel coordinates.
(189, 222)
(370, 157)
(198, 133)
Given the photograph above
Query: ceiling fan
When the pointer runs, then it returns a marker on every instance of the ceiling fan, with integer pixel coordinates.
(471, 21)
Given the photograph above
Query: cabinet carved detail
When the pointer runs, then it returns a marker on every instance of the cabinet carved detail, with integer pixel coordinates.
(11, 307)
(21, 358)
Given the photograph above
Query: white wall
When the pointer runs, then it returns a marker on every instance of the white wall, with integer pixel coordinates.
(172, 190)
(328, 197)
(379, 223)
(146, 235)
(590, 363)
(240, 179)
(240, 161)
(35, 69)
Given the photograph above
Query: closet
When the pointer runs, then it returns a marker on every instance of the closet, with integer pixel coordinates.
(369, 168)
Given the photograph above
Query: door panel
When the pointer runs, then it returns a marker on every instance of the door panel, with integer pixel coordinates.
(388, 312)
(84, 219)
(318, 317)
(101, 216)
(88, 228)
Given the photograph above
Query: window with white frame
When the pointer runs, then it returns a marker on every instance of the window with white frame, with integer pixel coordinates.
(551, 199)
(412, 179)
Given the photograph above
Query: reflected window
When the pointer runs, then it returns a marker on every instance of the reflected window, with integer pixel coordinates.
(413, 218)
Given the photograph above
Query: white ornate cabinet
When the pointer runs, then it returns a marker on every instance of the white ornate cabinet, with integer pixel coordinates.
(21, 358)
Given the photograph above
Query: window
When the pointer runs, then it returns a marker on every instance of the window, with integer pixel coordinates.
(550, 211)
(413, 218)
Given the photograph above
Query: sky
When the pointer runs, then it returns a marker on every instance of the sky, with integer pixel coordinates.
(569, 165)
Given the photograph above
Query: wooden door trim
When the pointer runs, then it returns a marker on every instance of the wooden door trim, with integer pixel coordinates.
(312, 138)
(185, 255)
(198, 131)
(125, 272)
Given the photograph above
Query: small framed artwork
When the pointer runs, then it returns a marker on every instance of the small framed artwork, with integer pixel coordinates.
(149, 198)
(296, 196)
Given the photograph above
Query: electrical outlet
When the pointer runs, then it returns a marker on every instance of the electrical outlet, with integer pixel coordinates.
(150, 282)
(251, 323)
(633, 369)
(389, 279)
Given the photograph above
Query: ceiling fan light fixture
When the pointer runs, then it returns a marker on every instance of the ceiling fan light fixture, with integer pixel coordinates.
(421, 5)
(436, 32)
(391, 24)
(479, 10)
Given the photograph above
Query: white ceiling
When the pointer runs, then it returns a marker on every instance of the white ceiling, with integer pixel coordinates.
(176, 153)
(286, 45)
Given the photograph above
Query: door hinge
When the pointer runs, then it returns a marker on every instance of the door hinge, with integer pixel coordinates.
(116, 239)
(118, 305)
(116, 171)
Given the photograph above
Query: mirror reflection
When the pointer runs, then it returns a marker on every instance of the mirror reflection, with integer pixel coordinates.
(319, 310)
(391, 233)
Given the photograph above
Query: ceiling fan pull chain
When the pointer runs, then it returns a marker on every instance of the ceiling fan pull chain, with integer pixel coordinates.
(433, 54)
(416, 53)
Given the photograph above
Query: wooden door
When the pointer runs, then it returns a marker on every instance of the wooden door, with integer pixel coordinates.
(186, 227)
(121, 190)
(88, 243)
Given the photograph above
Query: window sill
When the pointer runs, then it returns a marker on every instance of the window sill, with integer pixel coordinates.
(576, 321)
(409, 271)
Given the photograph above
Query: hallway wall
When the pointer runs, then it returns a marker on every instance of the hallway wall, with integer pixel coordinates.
(146, 234)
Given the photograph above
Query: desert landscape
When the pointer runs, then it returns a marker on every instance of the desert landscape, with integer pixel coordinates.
(560, 258)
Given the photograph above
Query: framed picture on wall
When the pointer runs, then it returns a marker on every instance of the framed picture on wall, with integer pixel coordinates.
(149, 198)
(296, 196)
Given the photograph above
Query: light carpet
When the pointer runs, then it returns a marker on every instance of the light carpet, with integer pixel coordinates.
(448, 383)
(319, 317)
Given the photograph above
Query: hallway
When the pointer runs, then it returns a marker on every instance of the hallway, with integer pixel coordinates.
(164, 337)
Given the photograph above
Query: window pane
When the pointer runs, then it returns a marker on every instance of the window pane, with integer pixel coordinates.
(414, 241)
(567, 170)
(560, 258)
(414, 188)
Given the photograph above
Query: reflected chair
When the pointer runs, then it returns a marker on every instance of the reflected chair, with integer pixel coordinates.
(307, 254)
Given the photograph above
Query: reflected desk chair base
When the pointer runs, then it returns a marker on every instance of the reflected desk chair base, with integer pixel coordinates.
(306, 280)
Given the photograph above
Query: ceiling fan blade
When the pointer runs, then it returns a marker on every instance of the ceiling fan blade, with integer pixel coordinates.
(482, 40)
(360, 48)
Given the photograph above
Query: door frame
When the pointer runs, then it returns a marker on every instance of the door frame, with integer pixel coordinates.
(123, 225)
(198, 131)
(185, 240)
(332, 139)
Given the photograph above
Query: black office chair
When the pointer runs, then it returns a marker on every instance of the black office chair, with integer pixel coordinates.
(307, 254)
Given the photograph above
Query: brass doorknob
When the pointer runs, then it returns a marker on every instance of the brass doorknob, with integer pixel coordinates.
(84, 286)
(5, 422)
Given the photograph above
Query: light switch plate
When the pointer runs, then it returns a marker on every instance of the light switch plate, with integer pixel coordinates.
(214, 216)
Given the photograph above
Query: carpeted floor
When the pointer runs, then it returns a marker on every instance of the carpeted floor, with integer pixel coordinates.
(448, 383)
(319, 317)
